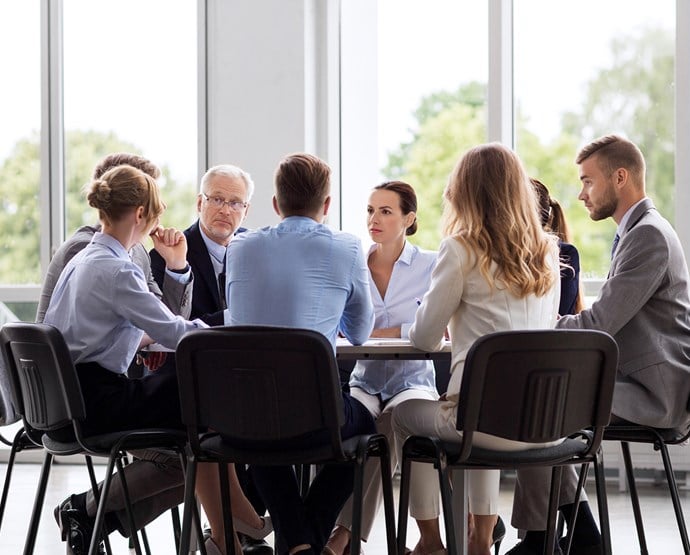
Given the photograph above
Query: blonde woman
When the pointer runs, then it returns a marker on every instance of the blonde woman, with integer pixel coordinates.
(497, 270)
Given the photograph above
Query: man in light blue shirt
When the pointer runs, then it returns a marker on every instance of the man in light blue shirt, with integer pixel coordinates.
(302, 274)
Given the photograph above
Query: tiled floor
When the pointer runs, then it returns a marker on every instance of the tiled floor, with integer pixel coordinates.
(66, 478)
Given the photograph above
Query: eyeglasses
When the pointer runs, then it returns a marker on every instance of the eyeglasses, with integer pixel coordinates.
(218, 202)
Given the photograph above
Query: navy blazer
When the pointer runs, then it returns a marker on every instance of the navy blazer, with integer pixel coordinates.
(205, 295)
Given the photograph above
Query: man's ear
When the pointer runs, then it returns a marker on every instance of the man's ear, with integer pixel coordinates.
(326, 205)
(622, 177)
(275, 206)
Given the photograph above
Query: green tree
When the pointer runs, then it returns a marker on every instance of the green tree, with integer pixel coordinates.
(19, 198)
(634, 96)
(447, 124)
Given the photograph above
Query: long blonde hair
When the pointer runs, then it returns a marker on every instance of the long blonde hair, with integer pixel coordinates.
(491, 208)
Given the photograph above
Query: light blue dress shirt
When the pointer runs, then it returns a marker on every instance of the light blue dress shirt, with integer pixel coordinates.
(409, 281)
(300, 274)
(102, 306)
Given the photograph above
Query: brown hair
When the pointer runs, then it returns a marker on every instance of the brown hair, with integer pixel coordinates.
(553, 220)
(121, 189)
(613, 152)
(407, 198)
(491, 208)
(122, 158)
(551, 212)
(302, 183)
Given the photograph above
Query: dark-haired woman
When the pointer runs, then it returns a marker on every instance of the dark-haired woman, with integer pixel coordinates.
(400, 275)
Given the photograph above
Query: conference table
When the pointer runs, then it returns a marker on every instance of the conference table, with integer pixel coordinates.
(401, 349)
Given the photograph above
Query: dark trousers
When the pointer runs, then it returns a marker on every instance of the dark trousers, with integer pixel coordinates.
(309, 520)
(114, 402)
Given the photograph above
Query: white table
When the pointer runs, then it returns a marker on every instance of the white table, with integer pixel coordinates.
(401, 349)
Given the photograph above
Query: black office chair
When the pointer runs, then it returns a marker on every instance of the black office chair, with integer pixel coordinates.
(259, 389)
(20, 442)
(660, 439)
(530, 386)
(48, 396)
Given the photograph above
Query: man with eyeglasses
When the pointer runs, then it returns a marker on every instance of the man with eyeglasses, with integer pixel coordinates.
(222, 206)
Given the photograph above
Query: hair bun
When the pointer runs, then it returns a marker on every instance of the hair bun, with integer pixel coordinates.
(100, 193)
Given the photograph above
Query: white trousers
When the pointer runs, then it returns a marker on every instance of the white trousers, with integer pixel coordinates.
(438, 418)
(372, 489)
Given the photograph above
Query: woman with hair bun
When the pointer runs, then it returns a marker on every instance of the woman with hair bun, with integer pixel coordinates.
(106, 313)
(399, 276)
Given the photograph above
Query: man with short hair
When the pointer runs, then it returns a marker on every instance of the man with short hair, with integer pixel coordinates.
(302, 274)
(644, 304)
(222, 205)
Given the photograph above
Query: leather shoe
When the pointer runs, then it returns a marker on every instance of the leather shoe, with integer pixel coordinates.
(252, 546)
(596, 549)
(523, 549)
(76, 528)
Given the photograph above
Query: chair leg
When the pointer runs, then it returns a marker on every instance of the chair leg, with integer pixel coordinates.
(133, 534)
(550, 543)
(447, 503)
(17, 445)
(388, 503)
(578, 495)
(100, 512)
(404, 502)
(673, 489)
(634, 498)
(357, 495)
(602, 501)
(96, 495)
(227, 512)
(189, 507)
(38, 505)
(177, 528)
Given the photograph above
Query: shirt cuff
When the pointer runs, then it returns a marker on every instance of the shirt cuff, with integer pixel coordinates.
(181, 277)
(405, 331)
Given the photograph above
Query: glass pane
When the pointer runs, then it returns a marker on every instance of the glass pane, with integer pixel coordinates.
(609, 69)
(20, 128)
(429, 95)
(131, 86)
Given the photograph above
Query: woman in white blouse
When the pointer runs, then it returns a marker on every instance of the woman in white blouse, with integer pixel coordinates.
(497, 270)
(400, 274)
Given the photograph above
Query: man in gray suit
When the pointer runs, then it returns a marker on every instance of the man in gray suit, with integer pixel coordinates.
(644, 304)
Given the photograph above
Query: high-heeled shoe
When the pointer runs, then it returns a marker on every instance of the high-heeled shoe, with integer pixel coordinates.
(498, 534)
(256, 533)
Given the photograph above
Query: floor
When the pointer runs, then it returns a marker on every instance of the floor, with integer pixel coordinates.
(66, 478)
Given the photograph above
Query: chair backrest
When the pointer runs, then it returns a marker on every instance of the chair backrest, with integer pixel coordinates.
(44, 382)
(538, 385)
(261, 388)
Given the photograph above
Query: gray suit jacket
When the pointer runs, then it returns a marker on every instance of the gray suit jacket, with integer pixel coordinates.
(176, 296)
(645, 306)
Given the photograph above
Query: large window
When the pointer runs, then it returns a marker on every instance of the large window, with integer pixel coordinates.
(414, 84)
(130, 81)
(20, 127)
(609, 68)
